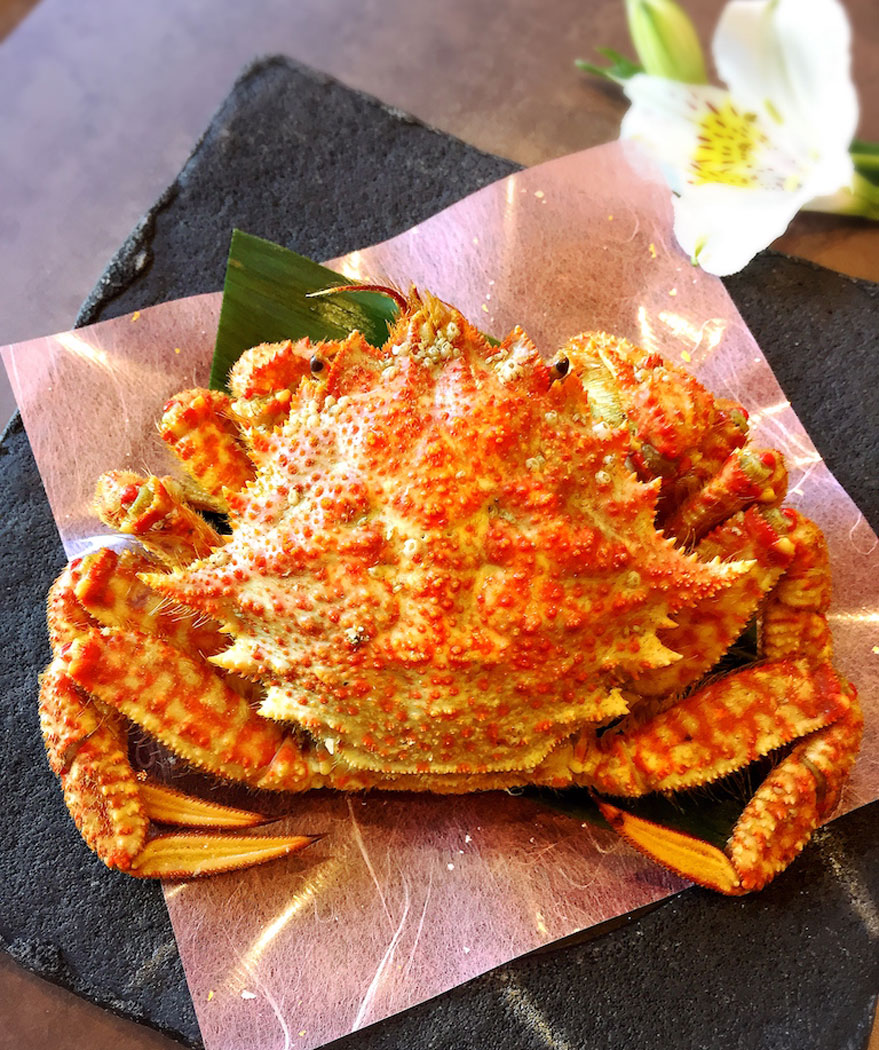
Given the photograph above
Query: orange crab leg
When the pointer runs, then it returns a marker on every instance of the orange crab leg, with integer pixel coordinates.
(200, 428)
(715, 730)
(87, 749)
(108, 588)
(794, 618)
(153, 509)
(793, 800)
(800, 793)
(112, 809)
(66, 618)
(183, 702)
(804, 788)
(745, 478)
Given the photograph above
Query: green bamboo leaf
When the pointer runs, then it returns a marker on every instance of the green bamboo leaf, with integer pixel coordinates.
(265, 301)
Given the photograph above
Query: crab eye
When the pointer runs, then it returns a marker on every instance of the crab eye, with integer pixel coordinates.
(316, 365)
(560, 368)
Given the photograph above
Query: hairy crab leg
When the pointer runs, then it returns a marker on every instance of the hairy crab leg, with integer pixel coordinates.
(87, 741)
(795, 616)
(182, 701)
(747, 477)
(200, 428)
(155, 511)
(108, 588)
(805, 787)
(65, 616)
(114, 809)
(713, 731)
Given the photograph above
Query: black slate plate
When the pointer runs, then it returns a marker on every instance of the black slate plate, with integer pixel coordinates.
(793, 967)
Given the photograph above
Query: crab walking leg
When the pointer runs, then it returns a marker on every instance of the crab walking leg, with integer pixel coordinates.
(794, 619)
(154, 510)
(747, 477)
(692, 744)
(65, 617)
(796, 797)
(108, 588)
(705, 631)
(183, 702)
(804, 788)
(199, 426)
(714, 731)
(87, 747)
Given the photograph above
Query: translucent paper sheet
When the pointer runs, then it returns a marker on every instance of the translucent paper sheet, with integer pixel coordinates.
(405, 896)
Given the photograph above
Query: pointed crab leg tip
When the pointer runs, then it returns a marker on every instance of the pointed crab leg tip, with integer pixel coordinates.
(685, 855)
(192, 856)
(167, 806)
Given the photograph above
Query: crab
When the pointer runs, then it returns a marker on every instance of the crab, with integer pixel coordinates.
(451, 566)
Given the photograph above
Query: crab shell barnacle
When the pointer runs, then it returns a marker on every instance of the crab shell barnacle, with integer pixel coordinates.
(453, 566)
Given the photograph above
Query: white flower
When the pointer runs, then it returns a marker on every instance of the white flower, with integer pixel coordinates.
(743, 161)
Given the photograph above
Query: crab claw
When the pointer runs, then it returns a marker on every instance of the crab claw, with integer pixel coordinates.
(114, 809)
(793, 800)
(785, 698)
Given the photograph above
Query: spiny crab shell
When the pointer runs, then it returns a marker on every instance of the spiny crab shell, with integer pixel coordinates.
(452, 566)
(444, 563)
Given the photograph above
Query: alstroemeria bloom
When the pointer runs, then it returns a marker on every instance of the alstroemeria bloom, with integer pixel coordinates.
(742, 162)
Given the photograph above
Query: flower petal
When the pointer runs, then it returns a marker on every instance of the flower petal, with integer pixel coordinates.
(664, 117)
(791, 59)
(723, 227)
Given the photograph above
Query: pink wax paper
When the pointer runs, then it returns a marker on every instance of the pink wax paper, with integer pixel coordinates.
(406, 896)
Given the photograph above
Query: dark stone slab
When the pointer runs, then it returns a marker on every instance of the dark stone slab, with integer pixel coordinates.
(793, 967)
(820, 332)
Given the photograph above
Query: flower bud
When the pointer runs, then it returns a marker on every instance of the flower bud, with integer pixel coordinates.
(665, 40)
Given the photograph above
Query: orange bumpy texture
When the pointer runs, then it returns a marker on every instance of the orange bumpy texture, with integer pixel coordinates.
(444, 562)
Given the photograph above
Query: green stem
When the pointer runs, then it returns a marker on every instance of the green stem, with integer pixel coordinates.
(865, 161)
(860, 198)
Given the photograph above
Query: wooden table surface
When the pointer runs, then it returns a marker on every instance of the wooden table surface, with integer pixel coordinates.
(102, 103)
